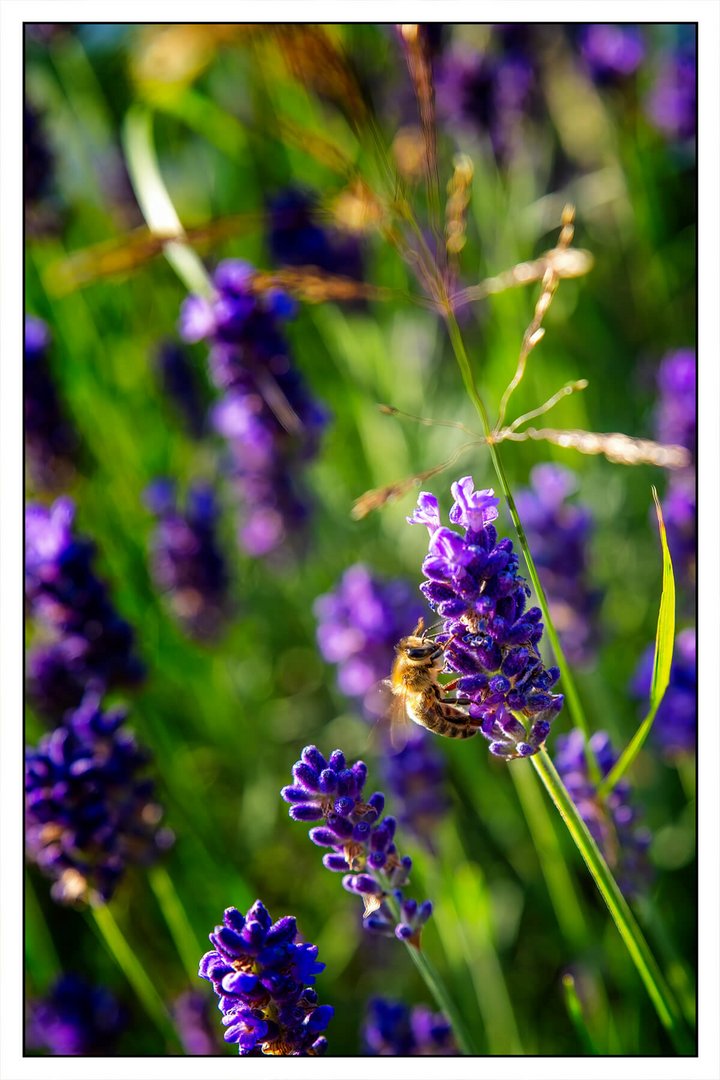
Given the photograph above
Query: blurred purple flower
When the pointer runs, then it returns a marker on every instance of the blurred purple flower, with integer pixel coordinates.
(75, 1019)
(612, 824)
(181, 385)
(88, 643)
(270, 420)
(359, 624)
(89, 813)
(675, 724)
(488, 92)
(558, 534)
(263, 978)
(297, 239)
(672, 102)
(186, 560)
(612, 51)
(492, 638)
(51, 442)
(676, 422)
(392, 1029)
(191, 1013)
(361, 846)
(676, 410)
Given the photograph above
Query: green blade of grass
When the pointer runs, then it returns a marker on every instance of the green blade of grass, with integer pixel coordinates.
(155, 202)
(575, 1012)
(664, 641)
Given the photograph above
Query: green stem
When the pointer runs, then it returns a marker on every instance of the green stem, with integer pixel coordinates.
(437, 988)
(176, 919)
(135, 973)
(647, 967)
(571, 694)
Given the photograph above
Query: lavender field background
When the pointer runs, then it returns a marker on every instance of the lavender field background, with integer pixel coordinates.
(198, 430)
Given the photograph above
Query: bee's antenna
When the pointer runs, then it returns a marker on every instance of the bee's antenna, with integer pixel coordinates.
(432, 627)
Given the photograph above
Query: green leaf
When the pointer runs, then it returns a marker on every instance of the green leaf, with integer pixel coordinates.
(664, 642)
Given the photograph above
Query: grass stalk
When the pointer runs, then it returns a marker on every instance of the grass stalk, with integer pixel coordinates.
(134, 971)
(176, 920)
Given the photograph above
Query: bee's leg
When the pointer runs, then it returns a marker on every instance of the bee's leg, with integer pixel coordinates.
(455, 700)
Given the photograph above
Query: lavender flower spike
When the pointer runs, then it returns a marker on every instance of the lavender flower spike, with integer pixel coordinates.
(361, 845)
(492, 637)
(51, 442)
(558, 532)
(272, 423)
(612, 823)
(75, 1019)
(186, 561)
(263, 978)
(675, 725)
(359, 624)
(86, 642)
(391, 1029)
(89, 811)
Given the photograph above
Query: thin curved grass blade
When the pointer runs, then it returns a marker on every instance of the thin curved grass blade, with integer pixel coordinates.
(664, 642)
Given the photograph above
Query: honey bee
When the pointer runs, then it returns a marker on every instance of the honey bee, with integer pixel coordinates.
(417, 694)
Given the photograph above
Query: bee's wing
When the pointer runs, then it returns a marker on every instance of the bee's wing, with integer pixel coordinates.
(389, 712)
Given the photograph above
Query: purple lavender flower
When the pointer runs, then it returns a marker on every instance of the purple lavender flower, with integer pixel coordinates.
(391, 1029)
(51, 443)
(296, 238)
(186, 560)
(361, 846)
(263, 978)
(676, 411)
(675, 724)
(88, 641)
(491, 636)
(558, 534)
(89, 813)
(671, 105)
(359, 624)
(191, 1013)
(75, 1019)
(272, 424)
(613, 825)
(676, 422)
(488, 92)
(612, 52)
(181, 385)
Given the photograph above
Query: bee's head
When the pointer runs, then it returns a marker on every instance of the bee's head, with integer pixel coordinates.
(417, 649)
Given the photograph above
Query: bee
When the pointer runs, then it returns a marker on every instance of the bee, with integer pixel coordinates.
(417, 694)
